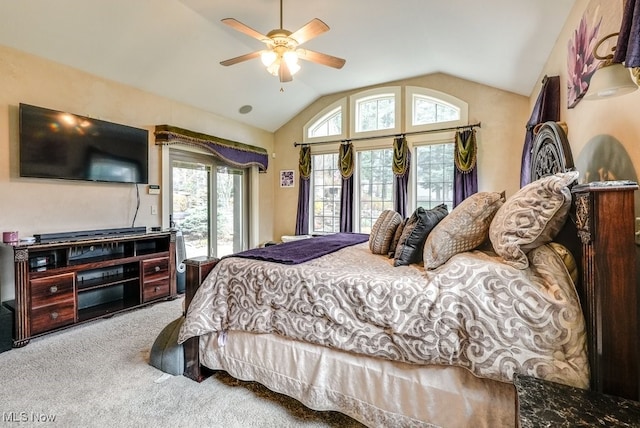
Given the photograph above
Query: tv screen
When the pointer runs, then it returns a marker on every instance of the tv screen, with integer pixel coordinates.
(55, 144)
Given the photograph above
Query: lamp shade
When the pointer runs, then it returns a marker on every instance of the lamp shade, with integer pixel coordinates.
(610, 81)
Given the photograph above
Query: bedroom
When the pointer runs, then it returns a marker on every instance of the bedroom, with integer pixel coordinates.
(76, 206)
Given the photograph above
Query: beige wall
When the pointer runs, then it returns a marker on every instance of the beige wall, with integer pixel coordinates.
(33, 206)
(617, 116)
(503, 116)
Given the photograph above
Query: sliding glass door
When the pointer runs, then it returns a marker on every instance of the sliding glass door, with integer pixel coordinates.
(208, 204)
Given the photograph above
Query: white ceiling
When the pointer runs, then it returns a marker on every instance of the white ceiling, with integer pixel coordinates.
(173, 47)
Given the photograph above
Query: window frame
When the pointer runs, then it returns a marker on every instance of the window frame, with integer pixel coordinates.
(341, 104)
(325, 151)
(354, 100)
(412, 91)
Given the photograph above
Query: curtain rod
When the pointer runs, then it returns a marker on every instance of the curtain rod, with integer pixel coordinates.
(377, 137)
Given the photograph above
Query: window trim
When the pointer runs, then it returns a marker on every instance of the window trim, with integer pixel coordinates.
(373, 93)
(410, 91)
(340, 104)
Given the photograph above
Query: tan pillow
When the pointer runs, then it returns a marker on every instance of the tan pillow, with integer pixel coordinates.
(531, 217)
(383, 231)
(464, 229)
(396, 239)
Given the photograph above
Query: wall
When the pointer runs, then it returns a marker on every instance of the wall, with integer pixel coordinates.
(615, 117)
(503, 116)
(33, 206)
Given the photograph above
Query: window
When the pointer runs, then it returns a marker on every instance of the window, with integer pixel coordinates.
(330, 122)
(375, 188)
(430, 109)
(376, 111)
(209, 204)
(327, 189)
(434, 175)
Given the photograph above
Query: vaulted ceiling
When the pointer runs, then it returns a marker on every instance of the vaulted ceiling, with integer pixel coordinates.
(173, 47)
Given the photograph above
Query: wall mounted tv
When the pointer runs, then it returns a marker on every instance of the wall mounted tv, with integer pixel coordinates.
(55, 144)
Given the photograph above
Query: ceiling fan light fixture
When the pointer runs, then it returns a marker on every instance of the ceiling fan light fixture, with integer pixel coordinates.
(274, 67)
(291, 58)
(268, 57)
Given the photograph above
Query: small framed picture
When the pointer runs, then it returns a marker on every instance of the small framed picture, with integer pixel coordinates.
(286, 178)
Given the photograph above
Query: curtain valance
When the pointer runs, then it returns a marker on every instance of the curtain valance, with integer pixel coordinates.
(232, 152)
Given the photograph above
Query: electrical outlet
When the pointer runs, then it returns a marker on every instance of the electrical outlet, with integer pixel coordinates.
(154, 210)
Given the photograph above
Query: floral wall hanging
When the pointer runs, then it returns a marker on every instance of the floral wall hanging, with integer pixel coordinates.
(601, 17)
(581, 63)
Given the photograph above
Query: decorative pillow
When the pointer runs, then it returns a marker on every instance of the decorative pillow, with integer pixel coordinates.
(464, 229)
(531, 217)
(396, 239)
(383, 231)
(567, 258)
(411, 243)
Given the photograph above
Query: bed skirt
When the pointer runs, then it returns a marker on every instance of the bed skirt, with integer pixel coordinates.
(376, 392)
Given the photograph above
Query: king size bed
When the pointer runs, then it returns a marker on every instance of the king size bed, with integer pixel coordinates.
(405, 342)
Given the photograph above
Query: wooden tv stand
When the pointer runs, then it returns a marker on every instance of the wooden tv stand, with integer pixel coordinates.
(60, 284)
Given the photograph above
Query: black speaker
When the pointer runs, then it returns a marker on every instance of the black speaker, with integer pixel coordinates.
(181, 255)
(6, 329)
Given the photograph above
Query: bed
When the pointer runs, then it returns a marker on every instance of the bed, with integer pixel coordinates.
(357, 332)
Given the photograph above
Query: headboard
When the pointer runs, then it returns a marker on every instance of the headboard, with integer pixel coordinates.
(600, 234)
(550, 151)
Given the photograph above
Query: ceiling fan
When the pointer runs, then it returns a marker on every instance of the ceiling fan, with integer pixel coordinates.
(282, 53)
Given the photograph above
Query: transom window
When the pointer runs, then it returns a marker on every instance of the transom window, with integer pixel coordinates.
(428, 110)
(327, 125)
(376, 113)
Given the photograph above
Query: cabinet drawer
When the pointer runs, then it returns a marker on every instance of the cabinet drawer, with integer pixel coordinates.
(53, 316)
(155, 289)
(51, 290)
(155, 269)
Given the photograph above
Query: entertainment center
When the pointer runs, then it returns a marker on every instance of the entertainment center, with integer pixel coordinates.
(66, 279)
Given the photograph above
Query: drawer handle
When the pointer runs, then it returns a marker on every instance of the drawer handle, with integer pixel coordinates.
(53, 289)
(157, 268)
(54, 315)
(156, 289)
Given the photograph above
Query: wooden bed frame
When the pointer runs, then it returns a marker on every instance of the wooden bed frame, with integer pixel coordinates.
(600, 235)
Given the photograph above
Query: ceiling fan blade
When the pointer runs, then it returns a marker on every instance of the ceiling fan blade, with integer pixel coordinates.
(241, 58)
(284, 73)
(237, 25)
(311, 29)
(320, 58)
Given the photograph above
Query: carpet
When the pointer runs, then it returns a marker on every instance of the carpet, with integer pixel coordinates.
(97, 375)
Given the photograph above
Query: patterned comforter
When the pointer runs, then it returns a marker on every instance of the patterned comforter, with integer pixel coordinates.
(474, 311)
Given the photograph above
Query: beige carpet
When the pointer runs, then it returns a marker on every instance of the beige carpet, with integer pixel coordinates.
(97, 375)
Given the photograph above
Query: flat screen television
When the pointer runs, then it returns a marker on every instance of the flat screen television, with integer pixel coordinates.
(55, 144)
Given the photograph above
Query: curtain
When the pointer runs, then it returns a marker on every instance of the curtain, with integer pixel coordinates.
(628, 47)
(346, 198)
(547, 108)
(231, 152)
(304, 169)
(401, 168)
(465, 172)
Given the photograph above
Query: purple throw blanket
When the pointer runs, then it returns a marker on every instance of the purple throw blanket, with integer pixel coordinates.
(294, 252)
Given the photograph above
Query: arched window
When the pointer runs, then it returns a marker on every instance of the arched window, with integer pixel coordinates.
(430, 109)
(376, 111)
(330, 122)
